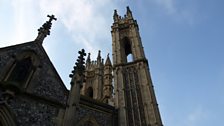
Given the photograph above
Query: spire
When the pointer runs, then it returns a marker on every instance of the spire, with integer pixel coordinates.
(129, 13)
(107, 87)
(79, 67)
(88, 60)
(99, 57)
(108, 62)
(45, 29)
(115, 16)
(72, 104)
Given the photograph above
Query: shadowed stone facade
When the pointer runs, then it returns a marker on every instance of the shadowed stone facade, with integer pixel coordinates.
(38, 100)
(102, 93)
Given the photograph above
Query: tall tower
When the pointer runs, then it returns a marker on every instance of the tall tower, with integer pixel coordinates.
(134, 93)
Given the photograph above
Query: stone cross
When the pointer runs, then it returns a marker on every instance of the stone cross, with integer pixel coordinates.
(52, 17)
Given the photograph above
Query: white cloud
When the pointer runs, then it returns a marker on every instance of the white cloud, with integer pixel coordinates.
(18, 16)
(85, 20)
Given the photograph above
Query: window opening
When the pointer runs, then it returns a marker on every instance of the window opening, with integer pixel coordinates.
(130, 58)
(128, 50)
(21, 71)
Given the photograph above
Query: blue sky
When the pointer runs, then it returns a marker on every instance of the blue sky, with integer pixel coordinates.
(183, 41)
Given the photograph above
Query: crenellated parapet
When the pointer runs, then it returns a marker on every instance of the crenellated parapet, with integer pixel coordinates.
(95, 74)
(91, 65)
(121, 23)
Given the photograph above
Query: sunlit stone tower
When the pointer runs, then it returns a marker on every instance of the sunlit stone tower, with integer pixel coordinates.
(134, 94)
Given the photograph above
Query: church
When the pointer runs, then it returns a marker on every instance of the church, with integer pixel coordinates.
(102, 93)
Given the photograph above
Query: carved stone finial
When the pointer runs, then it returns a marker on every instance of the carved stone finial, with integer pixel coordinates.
(79, 69)
(116, 17)
(88, 60)
(99, 58)
(45, 29)
(99, 55)
(115, 12)
(129, 13)
(128, 9)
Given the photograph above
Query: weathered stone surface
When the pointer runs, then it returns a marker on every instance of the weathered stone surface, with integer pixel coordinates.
(30, 112)
(102, 118)
(45, 82)
(48, 88)
(134, 93)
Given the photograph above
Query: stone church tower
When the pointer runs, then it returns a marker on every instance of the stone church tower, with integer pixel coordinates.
(94, 78)
(118, 93)
(134, 94)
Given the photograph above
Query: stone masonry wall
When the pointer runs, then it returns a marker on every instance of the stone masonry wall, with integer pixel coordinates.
(45, 82)
(30, 112)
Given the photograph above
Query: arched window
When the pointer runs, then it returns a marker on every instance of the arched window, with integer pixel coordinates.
(21, 71)
(130, 57)
(127, 50)
(89, 92)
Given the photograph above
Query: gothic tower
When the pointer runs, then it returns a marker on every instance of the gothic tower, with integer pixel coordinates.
(134, 93)
(93, 87)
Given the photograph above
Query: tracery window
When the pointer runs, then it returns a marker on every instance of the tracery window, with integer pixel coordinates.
(21, 71)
